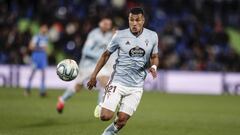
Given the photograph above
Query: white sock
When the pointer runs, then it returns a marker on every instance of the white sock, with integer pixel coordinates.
(110, 130)
(69, 92)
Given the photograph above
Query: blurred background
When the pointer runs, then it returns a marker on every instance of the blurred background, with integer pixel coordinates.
(194, 36)
(199, 51)
(199, 35)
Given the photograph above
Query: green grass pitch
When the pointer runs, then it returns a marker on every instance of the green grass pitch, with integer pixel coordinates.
(158, 114)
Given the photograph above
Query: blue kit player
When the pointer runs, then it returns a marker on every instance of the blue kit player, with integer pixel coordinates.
(137, 49)
(38, 46)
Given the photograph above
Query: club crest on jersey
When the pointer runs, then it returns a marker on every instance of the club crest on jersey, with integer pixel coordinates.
(146, 42)
(127, 43)
(137, 52)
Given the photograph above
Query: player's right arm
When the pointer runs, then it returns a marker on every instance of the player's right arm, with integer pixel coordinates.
(32, 43)
(112, 46)
(101, 62)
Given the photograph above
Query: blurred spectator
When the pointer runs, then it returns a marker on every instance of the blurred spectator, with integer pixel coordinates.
(38, 47)
(193, 34)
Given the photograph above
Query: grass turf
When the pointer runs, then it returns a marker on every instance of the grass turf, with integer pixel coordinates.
(158, 114)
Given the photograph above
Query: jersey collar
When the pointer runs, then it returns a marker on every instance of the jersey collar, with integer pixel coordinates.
(138, 34)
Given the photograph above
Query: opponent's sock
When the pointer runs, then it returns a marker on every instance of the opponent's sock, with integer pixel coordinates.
(67, 94)
(110, 130)
(28, 88)
(42, 87)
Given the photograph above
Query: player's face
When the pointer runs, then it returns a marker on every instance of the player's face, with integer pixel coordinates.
(44, 29)
(105, 25)
(136, 22)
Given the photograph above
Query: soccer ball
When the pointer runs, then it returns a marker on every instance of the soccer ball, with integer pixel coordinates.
(67, 69)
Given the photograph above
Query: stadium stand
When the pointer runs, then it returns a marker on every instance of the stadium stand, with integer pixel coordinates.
(194, 34)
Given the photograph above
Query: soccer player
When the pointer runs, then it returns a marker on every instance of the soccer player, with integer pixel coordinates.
(136, 47)
(38, 45)
(94, 46)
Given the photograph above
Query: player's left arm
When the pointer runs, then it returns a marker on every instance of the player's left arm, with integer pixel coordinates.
(154, 60)
(32, 43)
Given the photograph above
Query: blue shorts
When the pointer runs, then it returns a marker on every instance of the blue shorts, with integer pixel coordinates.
(39, 60)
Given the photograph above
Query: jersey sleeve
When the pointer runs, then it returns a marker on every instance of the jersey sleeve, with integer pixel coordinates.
(113, 44)
(155, 46)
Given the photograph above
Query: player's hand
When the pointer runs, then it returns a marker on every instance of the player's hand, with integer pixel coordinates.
(153, 72)
(92, 83)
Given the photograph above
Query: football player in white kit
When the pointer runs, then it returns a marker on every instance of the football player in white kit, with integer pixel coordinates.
(137, 47)
(94, 46)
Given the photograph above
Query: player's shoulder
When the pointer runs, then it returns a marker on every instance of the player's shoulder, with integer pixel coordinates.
(151, 32)
(122, 33)
(94, 31)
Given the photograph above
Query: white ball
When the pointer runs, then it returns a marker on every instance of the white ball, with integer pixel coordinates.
(67, 70)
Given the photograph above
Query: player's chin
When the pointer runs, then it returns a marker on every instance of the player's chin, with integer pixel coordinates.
(134, 30)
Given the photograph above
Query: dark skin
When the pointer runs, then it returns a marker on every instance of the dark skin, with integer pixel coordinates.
(136, 22)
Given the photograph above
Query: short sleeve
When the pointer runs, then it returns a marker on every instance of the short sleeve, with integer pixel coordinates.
(155, 46)
(113, 44)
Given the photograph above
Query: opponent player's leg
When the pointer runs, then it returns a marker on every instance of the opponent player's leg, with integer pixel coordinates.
(69, 92)
(42, 64)
(42, 87)
(72, 89)
(28, 88)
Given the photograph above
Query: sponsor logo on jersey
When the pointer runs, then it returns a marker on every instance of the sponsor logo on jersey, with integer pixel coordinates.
(137, 52)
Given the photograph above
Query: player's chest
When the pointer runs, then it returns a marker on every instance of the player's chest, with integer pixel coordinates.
(136, 47)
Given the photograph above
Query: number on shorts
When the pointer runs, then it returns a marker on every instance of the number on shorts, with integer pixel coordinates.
(109, 89)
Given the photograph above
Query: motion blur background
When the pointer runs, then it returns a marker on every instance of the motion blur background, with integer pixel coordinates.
(199, 50)
(194, 36)
(197, 35)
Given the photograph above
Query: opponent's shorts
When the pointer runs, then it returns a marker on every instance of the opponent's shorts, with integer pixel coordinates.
(39, 60)
(127, 97)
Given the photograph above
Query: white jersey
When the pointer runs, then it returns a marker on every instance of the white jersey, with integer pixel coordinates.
(94, 46)
(133, 56)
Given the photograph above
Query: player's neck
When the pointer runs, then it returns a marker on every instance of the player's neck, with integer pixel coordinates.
(137, 33)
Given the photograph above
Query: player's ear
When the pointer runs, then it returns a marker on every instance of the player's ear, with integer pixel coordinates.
(143, 18)
(99, 24)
